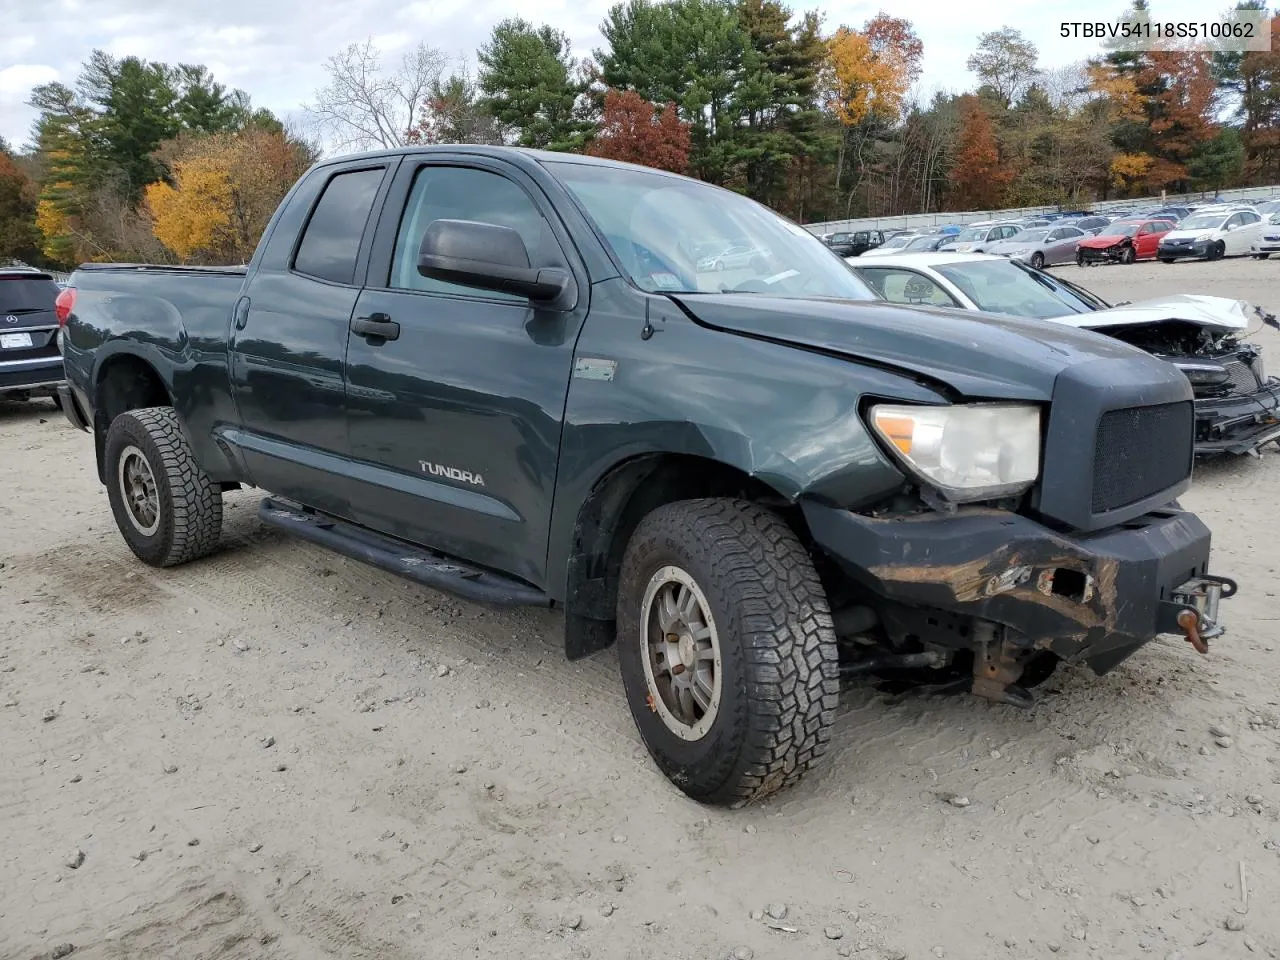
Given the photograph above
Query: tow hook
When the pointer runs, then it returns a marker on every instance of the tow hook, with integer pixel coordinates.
(1197, 615)
(1189, 621)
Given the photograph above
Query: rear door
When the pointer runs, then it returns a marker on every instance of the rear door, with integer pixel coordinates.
(455, 424)
(289, 337)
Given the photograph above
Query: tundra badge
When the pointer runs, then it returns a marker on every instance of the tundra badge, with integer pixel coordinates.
(453, 473)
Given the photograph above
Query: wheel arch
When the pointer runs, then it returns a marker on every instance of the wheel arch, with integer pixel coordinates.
(123, 381)
(618, 501)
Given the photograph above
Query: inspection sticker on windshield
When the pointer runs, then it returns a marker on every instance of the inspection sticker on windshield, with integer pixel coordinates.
(665, 281)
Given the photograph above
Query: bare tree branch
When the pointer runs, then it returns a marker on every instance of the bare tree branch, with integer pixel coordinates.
(364, 107)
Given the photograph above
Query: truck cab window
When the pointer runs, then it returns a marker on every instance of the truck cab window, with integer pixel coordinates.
(463, 193)
(331, 241)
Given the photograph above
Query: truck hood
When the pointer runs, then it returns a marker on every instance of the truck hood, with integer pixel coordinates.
(978, 355)
(1213, 313)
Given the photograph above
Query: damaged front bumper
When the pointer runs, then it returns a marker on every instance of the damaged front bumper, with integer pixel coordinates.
(1239, 423)
(1093, 598)
(1112, 254)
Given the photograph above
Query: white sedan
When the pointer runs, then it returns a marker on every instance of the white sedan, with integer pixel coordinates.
(1212, 235)
(1237, 403)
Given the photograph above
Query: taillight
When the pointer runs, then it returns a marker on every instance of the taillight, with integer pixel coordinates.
(63, 306)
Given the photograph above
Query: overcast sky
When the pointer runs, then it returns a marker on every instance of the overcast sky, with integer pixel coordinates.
(275, 49)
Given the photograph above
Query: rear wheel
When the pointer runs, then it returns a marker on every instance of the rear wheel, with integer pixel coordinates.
(1261, 256)
(168, 510)
(1037, 260)
(727, 649)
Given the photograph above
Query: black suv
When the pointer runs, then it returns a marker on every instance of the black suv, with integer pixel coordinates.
(30, 362)
(854, 243)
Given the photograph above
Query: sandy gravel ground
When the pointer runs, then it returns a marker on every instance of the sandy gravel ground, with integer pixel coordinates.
(279, 753)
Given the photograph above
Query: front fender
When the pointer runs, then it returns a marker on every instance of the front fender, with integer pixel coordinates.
(783, 415)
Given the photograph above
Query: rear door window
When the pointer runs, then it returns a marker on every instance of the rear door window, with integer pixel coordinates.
(331, 241)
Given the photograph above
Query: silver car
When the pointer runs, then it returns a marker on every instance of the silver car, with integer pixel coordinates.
(1041, 246)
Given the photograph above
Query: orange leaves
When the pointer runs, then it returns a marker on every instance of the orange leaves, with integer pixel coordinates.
(631, 129)
(869, 71)
(195, 217)
(1128, 169)
(978, 178)
(1119, 91)
(224, 189)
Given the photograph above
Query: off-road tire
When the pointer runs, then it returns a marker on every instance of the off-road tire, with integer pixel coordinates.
(779, 673)
(190, 504)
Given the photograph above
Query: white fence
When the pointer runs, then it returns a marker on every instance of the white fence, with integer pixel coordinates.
(943, 218)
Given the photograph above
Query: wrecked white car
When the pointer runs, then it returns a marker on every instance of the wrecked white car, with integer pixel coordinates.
(1237, 404)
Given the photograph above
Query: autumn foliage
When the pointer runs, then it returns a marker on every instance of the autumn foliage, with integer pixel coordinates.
(978, 178)
(633, 130)
(869, 71)
(225, 189)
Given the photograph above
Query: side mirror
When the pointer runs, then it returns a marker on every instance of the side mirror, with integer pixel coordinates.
(487, 257)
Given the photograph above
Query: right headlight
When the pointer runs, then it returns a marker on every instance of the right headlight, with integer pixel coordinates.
(967, 452)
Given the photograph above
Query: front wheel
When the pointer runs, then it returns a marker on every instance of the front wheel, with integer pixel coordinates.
(167, 508)
(1128, 255)
(1166, 259)
(1217, 251)
(726, 648)
(1261, 256)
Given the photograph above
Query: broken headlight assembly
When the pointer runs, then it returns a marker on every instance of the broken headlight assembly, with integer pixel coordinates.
(966, 452)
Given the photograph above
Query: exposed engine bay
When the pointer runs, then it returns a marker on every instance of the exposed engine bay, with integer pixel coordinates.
(1218, 363)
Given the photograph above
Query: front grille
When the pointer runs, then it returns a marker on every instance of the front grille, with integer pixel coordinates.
(1241, 377)
(1140, 451)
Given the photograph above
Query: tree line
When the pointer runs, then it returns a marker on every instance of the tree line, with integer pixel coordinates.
(147, 161)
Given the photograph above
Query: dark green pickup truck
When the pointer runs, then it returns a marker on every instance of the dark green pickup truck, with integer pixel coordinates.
(500, 373)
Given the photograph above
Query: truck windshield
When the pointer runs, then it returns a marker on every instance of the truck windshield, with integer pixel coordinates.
(648, 219)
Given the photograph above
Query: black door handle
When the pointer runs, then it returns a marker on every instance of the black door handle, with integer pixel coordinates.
(376, 325)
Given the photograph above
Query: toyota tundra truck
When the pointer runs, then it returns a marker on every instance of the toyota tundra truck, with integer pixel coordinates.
(499, 372)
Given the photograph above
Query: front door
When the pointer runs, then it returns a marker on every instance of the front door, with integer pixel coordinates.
(455, 424)
(289, 337)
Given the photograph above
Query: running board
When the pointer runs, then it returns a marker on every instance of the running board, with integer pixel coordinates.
(395, 556)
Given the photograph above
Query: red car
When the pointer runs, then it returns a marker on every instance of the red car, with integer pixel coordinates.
(1123, 242)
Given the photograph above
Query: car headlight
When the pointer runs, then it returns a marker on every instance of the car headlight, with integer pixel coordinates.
(1205, 236)
(966, 452)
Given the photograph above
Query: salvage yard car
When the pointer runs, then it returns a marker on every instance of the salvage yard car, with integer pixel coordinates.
(1211, 236)
(1041, 246)
(30, 364)
(1237, 404)
(498, 372)
(1268, 240)
(1124, 241)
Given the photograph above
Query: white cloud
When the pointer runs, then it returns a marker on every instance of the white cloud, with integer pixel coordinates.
(276, 51)
(17, 81)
